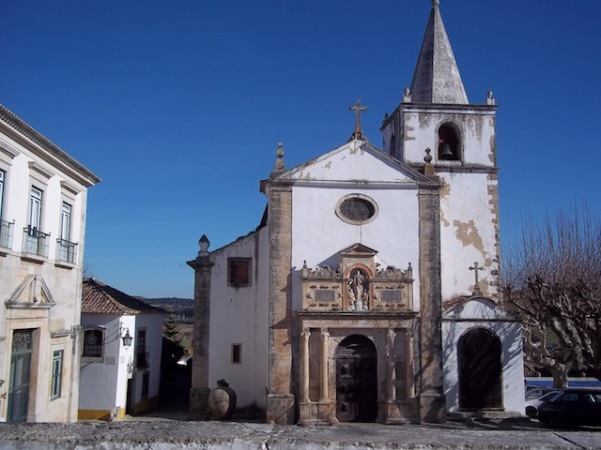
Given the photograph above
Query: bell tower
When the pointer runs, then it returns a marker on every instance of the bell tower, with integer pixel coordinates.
(436, 115)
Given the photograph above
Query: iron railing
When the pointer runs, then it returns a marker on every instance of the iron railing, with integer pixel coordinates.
(34, 241)
(6, 234)
(66, 251)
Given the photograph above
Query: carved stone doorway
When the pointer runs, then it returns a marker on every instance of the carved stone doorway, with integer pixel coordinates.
(480, 370)
(356, 380)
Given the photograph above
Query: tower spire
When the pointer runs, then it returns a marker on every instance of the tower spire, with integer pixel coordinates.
(437, 78)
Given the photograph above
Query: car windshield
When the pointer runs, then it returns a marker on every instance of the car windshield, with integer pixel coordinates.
(536, 393)
(550, 395)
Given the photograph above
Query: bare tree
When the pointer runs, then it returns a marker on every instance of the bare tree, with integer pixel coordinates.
(552, 280)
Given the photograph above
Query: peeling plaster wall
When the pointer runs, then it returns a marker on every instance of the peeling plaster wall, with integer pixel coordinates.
(468, 234)
(469, 196)
(239, 316)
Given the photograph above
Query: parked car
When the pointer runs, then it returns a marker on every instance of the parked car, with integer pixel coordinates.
(538, 392)
(572, 407)
(532, 405)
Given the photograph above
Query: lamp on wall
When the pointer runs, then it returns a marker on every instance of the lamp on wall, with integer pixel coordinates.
(127, 339)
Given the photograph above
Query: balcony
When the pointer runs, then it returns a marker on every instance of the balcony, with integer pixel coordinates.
(34, 242)
(6, 234)
(66, 251)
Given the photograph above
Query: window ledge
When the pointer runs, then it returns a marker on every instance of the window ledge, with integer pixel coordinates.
(33, 258)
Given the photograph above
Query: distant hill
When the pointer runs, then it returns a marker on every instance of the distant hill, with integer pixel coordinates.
(183, 308)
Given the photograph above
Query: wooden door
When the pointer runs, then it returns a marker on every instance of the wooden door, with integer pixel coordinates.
(356, 380)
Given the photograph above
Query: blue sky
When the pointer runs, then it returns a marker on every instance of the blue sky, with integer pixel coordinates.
(179, 105)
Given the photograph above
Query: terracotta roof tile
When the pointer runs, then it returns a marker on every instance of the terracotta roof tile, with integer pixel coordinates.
(100, 298)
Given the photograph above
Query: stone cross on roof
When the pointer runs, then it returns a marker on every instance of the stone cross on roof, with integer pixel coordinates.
(358, 133)
(476, 267)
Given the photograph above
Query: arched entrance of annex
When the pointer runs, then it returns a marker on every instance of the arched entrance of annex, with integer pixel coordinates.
(356, 380)
(480, 370)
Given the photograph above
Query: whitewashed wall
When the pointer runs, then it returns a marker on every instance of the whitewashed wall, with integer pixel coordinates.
(103, 382)
(481, 313)
(239, 316)
(318, 234)
(153, 324)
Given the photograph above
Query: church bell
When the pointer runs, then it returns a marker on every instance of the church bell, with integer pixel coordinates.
(445, 151)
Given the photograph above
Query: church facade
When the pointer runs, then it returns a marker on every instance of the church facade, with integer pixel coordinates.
(369, 291)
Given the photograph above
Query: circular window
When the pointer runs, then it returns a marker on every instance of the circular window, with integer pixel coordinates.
(356, 209)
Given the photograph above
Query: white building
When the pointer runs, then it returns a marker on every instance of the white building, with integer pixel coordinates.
(369, 290)
(43, 195)
(121, 353)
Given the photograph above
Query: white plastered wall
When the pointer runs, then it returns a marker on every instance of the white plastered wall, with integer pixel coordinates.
(481, 313)
(318, 234)
(103, 381)
(240, 316)
(153, 324)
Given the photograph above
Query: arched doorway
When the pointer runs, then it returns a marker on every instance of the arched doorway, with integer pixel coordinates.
(356, 380)
(480, 370)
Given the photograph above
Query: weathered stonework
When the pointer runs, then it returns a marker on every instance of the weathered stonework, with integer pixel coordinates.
(431, 397)
(199, 391)
(280, 399)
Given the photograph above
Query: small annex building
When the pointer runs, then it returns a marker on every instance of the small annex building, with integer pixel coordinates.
(120, 353)
(370, 289)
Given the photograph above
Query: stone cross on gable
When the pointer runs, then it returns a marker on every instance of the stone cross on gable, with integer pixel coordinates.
(358, 133)
(476, 267)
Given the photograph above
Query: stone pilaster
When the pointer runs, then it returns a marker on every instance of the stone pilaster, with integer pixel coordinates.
(280, 399)
(432, 404)
(199, 391)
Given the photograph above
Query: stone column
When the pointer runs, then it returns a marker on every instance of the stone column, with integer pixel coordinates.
(199, 391)
(432, 403)
(391, 373)
(304, 381)
(323, 366)
(280, 399)
(409, 378)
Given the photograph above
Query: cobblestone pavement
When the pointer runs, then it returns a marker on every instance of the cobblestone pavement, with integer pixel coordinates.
(159, 434)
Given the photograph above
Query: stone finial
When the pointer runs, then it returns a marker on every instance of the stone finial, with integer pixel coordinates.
(407, 95)
(428, 168)
(204, 244)
(279, 162)
(435, 3)
(490, 98)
